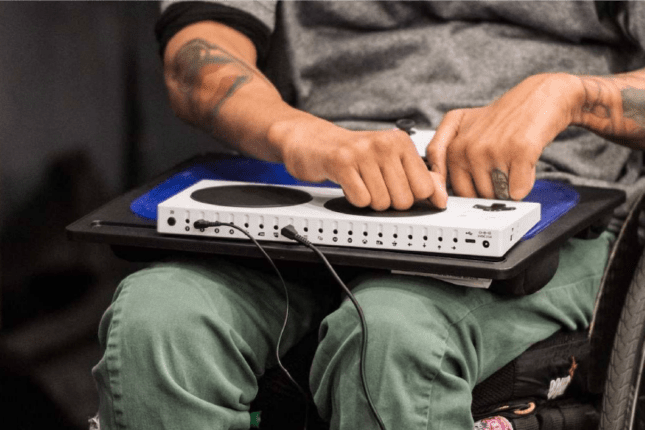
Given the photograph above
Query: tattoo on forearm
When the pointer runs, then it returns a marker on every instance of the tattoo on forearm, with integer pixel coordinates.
(634, 105)
(594, 103)
(500, 184)
(188, 68)
(602, 107)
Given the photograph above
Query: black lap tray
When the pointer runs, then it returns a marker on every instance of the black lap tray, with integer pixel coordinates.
(528, 266)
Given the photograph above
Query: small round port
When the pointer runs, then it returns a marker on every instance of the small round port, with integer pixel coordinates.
(486, 244)
(172, 221)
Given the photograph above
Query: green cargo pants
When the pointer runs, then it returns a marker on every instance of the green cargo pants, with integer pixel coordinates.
(185, 341)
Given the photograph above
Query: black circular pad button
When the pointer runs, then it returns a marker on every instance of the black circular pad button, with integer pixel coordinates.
(251, 196)
(341, 205)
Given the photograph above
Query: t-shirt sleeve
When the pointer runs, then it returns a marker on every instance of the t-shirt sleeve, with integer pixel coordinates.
(254, 19)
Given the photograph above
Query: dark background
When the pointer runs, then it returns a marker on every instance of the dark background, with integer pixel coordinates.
(84, 117)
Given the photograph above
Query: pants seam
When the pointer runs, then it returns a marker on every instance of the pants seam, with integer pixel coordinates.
(113, 361)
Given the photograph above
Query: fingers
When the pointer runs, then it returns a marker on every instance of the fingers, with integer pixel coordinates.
(486, 165)
(385, 171)
(425, 185)
(398, 186)
(495, 183)
(437, 149)
(521, 180)
(376, 185)
(354, 188)
(407, 178)
(388, 173)
(500, 184)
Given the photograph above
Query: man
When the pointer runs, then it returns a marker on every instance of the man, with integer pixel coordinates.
(516, 88)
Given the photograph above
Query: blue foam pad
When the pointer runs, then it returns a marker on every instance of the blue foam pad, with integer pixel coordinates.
(234, 169)
(556, 198)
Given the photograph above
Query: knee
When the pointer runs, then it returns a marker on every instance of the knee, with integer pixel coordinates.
(156, 306)
(398, 325)
(419, 328)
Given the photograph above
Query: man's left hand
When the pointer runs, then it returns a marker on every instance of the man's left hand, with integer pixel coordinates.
(492, 151)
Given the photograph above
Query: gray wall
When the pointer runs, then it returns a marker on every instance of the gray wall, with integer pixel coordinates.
(69, 72)
(83, 117)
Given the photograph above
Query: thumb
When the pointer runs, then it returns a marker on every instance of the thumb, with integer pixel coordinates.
(437, 149)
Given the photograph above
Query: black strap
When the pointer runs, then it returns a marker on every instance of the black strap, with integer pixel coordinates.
(563, 416)
(526, 423)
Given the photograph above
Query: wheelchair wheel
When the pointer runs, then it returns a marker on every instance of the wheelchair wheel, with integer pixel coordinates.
(622, 405)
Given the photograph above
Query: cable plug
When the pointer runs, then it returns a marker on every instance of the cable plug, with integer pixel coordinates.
(202, 223)
(290, 233)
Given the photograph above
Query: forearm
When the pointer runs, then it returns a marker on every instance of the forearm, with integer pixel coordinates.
(613, 107)
(213, 84)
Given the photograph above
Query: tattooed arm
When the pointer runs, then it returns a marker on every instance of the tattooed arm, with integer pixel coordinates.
(213, 84)
(614, 107)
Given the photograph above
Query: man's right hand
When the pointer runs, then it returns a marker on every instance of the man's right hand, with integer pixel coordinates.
(380, 169)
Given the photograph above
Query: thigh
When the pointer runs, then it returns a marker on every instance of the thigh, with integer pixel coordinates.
(430, 342)
(184, 343)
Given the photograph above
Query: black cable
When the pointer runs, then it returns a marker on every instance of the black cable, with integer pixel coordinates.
(202, 224)
(291, 233)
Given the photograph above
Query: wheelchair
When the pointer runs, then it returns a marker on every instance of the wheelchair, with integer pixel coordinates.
(586, 385)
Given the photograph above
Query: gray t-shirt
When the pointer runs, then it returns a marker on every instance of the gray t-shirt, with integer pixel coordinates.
(365, 64)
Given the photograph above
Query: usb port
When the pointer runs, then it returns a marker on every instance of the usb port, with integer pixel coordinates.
(470, 240)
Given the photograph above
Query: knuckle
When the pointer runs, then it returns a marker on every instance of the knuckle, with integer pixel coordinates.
(524, 148)
(355, 197)
(383, 147)
(454, 114)
(380, 204)
(475, 154)
(342, 157)
(423, 190)
(359, 201)
(362, 144)
(402, 203)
